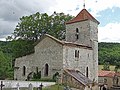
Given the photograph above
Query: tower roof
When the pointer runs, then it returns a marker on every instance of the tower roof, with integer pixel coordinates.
(83, 15)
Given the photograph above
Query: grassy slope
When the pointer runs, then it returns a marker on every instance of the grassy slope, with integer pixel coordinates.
(100, 67)
(112, 68)
(54, 87)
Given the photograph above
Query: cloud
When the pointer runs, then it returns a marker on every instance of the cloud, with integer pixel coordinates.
(68, 6)
(109, 33)
(6, 28)
(12, 10)
(99, 5)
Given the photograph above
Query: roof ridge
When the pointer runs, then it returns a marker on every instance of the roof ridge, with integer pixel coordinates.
(81, 16)
(61, 42)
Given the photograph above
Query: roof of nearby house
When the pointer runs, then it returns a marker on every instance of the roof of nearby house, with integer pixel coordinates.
(103, 73)
(63, 42)
(118, 74)
(79, 76)
(83, 15)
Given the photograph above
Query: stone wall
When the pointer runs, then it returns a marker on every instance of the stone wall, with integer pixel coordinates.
(94, 40)
(71, 82)
(84, 32)
(47, 52)
(85, 60)
(68, 80)
(19, 63)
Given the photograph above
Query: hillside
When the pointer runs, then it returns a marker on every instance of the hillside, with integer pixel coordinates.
(109, 52)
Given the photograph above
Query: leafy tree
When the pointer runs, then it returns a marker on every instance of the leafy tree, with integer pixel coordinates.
(5, 67)
(117, 66)
(109, 52)
(34, 26)
(106, 66)
(21, 47)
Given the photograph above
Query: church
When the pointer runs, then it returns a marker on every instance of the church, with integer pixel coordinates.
(78, 52)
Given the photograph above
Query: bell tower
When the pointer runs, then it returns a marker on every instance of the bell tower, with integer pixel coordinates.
(83, 30)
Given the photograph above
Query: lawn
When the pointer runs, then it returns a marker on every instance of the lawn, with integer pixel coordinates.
(112, 68)
(54, 87)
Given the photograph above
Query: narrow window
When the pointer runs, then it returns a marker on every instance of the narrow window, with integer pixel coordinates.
(105, 80)
(77, 33)
(76, 53)
(77, 36)
(36, 69)
(46, 70)
(87, 72)
(88, 55)
(24, 70)
(77, 30)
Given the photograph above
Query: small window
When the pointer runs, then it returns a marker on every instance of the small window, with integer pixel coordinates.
(24, 70)
(88, 55)
(76, 53)
(77, 30)
(36, 69)
(77, 36)
(105, 80)
(87, 72)
(77, 33)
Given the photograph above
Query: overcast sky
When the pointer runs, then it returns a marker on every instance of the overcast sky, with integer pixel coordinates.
(105, 11)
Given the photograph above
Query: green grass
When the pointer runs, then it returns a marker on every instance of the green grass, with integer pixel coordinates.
(54, 87)
(44, 80)
(112, 68)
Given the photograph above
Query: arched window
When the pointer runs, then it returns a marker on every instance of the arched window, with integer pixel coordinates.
(87, 72)
(46, 70)
(24, 70)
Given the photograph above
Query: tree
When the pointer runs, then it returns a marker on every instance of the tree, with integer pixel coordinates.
(21, 47)
(31, 28)
(106, 66)
(5, 66)
(109, 52)
(117, 66)
(34, 26)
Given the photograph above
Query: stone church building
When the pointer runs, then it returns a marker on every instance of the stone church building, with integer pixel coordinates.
(78, 52)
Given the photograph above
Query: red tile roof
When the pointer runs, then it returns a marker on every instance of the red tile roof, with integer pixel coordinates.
(83, 15)
(118, 74)
(106, 73)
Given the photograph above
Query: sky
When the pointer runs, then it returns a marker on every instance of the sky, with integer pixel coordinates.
(107, 12)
